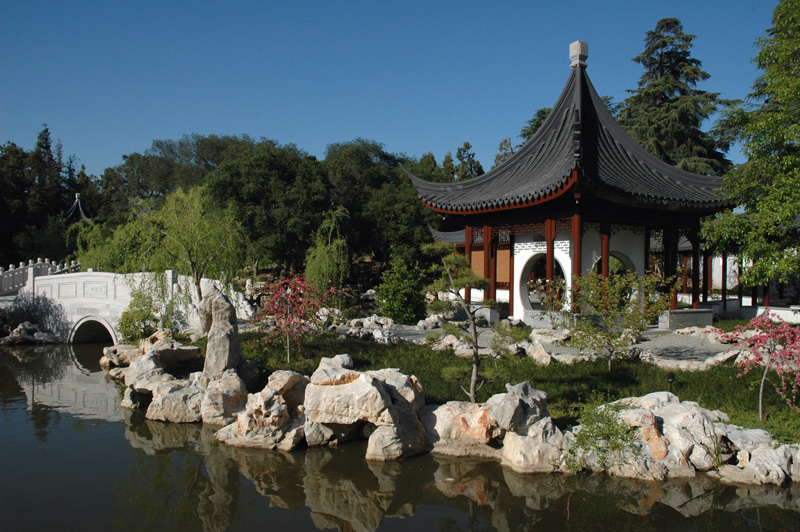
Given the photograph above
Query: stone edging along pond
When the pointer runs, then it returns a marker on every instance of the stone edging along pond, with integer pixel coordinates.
(668, 438)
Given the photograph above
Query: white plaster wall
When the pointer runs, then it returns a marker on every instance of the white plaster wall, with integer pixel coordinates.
(625, 242)
(527, 246)
(717, 273)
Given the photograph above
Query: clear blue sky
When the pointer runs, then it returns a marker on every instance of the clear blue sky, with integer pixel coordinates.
(109, 77)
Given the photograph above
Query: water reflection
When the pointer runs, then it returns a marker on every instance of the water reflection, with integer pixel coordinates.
(343, 491)
(181, 478)
(63, 378)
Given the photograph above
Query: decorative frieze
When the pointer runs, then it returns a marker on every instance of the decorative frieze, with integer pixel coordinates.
(540, 246)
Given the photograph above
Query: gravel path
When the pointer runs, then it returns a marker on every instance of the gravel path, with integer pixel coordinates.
(667, 349)
(668, 346)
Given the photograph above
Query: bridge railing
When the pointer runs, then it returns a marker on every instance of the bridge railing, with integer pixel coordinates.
(15, 277)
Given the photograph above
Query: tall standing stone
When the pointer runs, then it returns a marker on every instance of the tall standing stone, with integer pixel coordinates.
(224, 350)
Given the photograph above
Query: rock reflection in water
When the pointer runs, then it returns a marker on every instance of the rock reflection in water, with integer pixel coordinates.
(185, 479)
(344, 491)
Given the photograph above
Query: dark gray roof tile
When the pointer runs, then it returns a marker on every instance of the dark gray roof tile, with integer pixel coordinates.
(579, 134)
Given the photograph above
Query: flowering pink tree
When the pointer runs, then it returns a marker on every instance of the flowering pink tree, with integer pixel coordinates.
(776, 345)
(294, 304)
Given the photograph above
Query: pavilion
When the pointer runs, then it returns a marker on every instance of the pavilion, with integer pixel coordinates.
(578, 194)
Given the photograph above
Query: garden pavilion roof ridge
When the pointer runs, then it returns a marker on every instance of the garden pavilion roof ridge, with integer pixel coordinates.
(579, 141)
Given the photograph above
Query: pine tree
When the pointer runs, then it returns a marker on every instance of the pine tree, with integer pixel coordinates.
(665, 113)
(468, 167)
(504, 151)
(448, 169)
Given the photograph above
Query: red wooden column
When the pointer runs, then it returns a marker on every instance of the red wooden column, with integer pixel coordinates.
(550, 239)
(695, 239)
(511, 277)
(468, 253)
(489, 262)
(605, 246)
(671, 262)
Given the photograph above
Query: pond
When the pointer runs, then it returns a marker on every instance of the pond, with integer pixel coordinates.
(72, 459)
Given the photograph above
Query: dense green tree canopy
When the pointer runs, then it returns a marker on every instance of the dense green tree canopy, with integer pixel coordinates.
(767, 187)
(279, 195)
(468, 166)
(665, 113)
(39, 188)
(189, 233)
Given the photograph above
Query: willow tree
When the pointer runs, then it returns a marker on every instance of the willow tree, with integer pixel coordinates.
(328, 260)
(188, 234)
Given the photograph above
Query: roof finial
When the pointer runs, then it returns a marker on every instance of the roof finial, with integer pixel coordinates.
(578, 52)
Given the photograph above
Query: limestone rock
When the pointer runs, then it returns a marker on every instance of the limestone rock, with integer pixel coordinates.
(174, 353)
(518, 408)
(744, 439)
(121, 355)
(330, 369)
(145, 372)
(224, 398)
(384, 444)
(176, 402)
(223, 350)
(690, 430)
(458, 422)
(352, 398)
(272, 418)
(156, 340)
(431, 322)
(318, 434)
(538, 353)
(539, 450)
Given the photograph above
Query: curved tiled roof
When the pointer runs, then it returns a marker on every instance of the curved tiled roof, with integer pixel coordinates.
(578, 140)
(451, 237)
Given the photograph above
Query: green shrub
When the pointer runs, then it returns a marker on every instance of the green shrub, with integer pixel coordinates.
(39, 309)
(140, 319)
(401, 293)
(603, 435)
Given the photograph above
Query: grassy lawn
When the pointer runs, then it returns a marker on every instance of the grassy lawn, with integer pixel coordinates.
(569, 388)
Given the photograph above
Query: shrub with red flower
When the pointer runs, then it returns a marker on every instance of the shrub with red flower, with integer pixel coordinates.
(291, 309)
(773, 344)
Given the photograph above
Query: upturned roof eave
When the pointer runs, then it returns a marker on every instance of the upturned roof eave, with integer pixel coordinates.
(578, 138)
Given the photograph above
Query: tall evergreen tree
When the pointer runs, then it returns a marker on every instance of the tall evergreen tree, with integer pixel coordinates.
(504, 151)
(468, 166)
(448, 168)
(534, 123)
(766, 227)
(13, 200)
(46, 197)
(665, 113)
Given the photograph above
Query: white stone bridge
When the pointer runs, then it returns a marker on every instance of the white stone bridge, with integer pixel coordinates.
(87, 306)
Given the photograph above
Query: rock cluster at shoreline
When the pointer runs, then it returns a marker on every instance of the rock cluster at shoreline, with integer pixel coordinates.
(29, 333)
(673, 439)
(214, 395)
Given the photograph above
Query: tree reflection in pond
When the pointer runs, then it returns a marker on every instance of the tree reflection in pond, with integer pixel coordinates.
(177, 477)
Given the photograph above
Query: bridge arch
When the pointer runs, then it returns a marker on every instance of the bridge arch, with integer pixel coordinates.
(92, 329)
